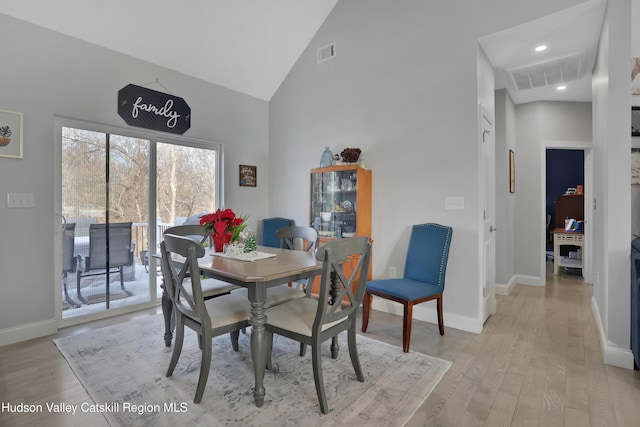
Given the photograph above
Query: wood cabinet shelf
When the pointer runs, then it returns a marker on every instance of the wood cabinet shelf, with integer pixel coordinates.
(340, 205)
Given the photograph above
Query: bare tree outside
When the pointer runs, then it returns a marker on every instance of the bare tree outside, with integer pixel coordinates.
(185, 179)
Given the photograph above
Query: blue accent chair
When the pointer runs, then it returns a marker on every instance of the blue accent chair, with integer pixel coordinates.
(269, 228)
(424, 277)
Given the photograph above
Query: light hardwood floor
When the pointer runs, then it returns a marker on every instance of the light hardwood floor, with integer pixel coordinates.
(537, 363)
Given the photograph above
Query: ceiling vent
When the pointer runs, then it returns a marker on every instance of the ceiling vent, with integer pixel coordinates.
(550, 72)
(326, 52)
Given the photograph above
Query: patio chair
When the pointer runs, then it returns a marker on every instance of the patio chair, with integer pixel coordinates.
(107, 254)
(69, 262)
(210, 318)
(313, 321)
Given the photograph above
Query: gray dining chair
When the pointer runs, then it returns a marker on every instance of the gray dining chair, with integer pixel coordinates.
(208, 318)
(211, 287)
(313, 321)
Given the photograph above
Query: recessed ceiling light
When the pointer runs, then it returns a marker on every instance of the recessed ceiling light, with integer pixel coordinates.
(541, 48)
(562, 87)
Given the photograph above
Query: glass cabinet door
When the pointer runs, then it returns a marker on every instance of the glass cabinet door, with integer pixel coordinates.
(334, 202)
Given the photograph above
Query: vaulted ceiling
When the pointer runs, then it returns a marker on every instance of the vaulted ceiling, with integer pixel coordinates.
(250, 46)
(245, 45)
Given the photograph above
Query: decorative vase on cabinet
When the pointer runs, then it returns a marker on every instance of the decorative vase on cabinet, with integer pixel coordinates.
(327, 158)
(340, 203)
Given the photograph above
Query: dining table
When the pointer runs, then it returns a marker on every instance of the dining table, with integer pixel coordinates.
(258, 275)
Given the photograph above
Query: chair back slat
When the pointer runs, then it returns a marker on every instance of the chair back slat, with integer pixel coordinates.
(428, 253)
(180, 269)
(335, 255)
(298, 237)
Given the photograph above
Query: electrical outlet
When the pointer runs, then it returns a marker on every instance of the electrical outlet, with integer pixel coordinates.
(20, 200)
(392, 272)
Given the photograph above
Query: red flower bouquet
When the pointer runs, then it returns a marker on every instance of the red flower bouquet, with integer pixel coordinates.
(223, 226)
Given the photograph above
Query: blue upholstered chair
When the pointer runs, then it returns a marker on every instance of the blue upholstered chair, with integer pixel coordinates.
(424, 277)
(269, 228)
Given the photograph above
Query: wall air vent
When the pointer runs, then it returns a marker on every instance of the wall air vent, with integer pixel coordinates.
(326, 52)
(550, 72)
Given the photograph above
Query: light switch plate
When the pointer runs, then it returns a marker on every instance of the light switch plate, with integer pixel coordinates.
(20, 200)
(454, 203)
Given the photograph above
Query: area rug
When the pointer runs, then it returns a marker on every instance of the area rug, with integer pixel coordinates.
(123, 369)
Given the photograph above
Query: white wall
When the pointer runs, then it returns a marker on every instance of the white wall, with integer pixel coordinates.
(402, 87)
(505, 201)
(45, 74)
(612, 173)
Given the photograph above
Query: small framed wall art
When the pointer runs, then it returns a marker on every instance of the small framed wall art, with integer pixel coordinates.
(10, 134)
(248, 176)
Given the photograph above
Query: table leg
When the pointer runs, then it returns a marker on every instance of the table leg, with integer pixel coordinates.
(258, 318)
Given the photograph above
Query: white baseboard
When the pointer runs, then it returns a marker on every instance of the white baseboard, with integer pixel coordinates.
(612, 355)
(529, 280)
(28, 331)
(505, 290)
(428, 314)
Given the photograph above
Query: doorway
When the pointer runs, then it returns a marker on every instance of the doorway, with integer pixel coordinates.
(568, 168)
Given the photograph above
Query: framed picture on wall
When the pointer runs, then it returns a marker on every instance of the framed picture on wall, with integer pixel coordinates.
(512, 171)
(635, 121)
(248, 176)
(10, 134)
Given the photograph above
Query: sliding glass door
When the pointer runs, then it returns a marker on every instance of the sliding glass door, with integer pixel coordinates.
(118, 193)
(105, 209)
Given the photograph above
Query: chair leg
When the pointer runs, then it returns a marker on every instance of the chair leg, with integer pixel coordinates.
(353, 352)
(177, 347)
(80, 297)
(440, 318)
(303, 349)
(167, 312)
(66, 293)
(406, 326)
(204, 367)
(317, 376)
(366, 310)
(122, 283)
(234, 340)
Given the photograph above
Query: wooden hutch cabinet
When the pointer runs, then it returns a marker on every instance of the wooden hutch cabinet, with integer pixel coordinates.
(340, 205)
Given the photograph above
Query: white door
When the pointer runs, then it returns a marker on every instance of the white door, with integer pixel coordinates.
(488, 208)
